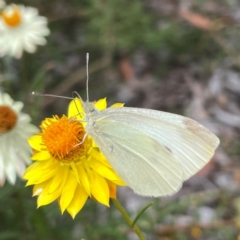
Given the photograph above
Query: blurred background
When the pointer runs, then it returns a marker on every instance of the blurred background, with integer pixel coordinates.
(179, 56)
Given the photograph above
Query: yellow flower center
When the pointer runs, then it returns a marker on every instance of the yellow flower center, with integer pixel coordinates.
(62, 138)
(8, 119)
(13, 18)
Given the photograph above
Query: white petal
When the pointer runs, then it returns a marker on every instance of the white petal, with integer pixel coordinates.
(17, 106)
(10, 172)
(2, 173)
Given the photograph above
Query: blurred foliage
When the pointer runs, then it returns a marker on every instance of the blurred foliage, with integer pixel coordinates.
(110, 29)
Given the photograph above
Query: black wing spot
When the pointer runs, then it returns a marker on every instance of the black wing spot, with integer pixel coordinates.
(110, 147)
(168, 149)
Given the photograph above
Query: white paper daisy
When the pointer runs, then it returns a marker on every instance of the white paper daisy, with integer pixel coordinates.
(15, 129)
(21, 28)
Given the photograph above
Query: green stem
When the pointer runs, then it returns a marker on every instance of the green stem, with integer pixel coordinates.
(128, 219)
(140, 213)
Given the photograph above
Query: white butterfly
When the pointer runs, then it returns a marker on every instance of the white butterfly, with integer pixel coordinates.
(152, 151)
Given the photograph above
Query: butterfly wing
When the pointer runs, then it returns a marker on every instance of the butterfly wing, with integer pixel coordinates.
(144, 164)
(189, 142)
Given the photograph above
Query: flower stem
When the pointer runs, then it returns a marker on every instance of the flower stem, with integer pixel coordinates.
(128, 219)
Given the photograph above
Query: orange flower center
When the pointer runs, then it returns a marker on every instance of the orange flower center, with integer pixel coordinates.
(62, 138)
(13, 18)
(8, 119)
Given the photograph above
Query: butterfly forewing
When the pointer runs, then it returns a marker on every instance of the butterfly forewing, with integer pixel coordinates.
(191, 144)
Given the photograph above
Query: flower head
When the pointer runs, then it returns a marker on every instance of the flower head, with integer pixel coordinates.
(15, 129)
(68, 165)
(21, 28)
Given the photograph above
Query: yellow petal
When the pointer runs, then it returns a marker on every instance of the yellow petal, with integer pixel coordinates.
(57, 180)
(101, 104)
(119, 182)
(42, 176)
(99, 156)
(38, 167)
(94, 145)
(45, 197)
(49, 164)
(38, 188)
(84, 178)
(117, 105)
(35, 142)
(74, 108)
(41, 156)
(75, 171)
(68, 191)
(102, 170)
(39, 179)
(78, 201)
(65, 173)
(30, 171)
(99, 188)
(112, 189)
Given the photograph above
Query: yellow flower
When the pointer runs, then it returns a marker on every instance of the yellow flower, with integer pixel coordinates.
(68, 165)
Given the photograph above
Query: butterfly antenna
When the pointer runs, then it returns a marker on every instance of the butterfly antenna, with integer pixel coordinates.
(87, 60)
(50, 95)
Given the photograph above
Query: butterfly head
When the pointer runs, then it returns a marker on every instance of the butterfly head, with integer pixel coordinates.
(89, 108)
